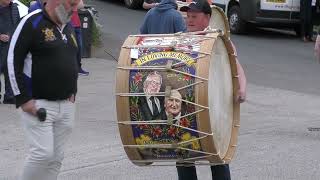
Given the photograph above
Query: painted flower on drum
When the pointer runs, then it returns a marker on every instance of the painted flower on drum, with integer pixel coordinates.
(172, 131)
(186, 77)
(186, 136)
(184, 122)
(157, 131)
(143, 139)
(194, 143)
(137, 78)
(143, 126)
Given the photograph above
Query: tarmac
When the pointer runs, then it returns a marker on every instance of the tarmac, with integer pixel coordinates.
(279, 136)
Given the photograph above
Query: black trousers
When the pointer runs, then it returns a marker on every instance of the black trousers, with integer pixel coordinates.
(4, 70)
(219, 172)
(306, 18)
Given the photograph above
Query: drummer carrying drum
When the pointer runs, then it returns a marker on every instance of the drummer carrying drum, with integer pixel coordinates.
(198, 18)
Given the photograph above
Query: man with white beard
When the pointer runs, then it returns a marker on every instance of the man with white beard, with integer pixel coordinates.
(43, 51)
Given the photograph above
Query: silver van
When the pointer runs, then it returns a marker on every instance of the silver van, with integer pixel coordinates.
(266, 13)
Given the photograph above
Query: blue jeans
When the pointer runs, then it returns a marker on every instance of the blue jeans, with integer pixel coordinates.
(77, 30)
(219, 172)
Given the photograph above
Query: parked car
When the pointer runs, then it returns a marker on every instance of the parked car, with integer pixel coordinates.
(266, 13)
(133, 4)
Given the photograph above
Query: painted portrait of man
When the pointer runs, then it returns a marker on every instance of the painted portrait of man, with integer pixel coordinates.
(172, 106)
(151, 106)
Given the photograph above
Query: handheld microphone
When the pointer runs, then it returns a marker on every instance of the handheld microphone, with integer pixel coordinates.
(42, 114)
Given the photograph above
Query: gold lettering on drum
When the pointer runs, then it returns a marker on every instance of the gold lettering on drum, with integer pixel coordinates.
(173, 55)
(165, 55)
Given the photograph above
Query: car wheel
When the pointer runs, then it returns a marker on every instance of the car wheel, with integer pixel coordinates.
(237, 25)
(133, 4)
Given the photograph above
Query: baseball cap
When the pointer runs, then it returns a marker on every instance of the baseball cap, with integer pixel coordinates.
(198, 6)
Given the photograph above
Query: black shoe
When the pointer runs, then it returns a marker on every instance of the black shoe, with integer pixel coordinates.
(9, 101)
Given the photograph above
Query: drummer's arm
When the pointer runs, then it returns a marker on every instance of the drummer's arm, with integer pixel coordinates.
(241, 95)
(147, 6)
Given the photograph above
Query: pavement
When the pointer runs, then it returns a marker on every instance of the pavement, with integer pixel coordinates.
(274, 140)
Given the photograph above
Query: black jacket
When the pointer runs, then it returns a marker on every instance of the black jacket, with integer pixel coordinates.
(42, 61)
(14, 20)
(8, 26)
(145, 111)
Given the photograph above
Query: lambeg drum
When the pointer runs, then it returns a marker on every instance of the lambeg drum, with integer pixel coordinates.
(175, 98)
(218, 18)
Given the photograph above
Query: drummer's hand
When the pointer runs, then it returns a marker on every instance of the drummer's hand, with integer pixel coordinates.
(4, 37)
(317, 48)
(72, 98)
(241, 96)
(30, 107)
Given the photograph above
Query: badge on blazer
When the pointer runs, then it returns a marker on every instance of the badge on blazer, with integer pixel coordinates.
(49, 35)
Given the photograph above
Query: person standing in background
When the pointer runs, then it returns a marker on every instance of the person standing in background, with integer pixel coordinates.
(306, 20)
(9, 18)
(76, 24)
(163, 19)
(38, 4)
(317, 48)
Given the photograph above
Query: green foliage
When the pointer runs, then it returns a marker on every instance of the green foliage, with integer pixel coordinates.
(96, 35)
(26, 2)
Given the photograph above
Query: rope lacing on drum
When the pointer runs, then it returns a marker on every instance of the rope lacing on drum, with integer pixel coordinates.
(173, 47)
(180, 37)
(182, 34)
(177, 146)
(166, 122)
(167, 93)
(172, 121)
(161, 68)
(178, 162)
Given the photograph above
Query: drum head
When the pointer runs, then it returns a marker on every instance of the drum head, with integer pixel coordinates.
(220, 92)
(219, 20)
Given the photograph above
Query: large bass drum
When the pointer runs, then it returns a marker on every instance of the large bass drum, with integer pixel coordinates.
(175, 98)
